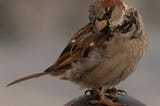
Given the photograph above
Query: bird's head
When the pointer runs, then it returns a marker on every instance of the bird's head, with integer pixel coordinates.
(114, 15)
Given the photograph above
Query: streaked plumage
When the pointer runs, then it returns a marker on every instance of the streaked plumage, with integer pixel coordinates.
(98, 55)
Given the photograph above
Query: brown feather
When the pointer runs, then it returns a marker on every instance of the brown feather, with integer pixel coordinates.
(37, 75)
(112, 3)
(74, 50)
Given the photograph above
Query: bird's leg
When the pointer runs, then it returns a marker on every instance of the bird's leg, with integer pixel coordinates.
(116, 91)
(103, 99)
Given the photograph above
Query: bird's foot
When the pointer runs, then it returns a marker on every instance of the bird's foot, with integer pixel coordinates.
(103, 99)
(116, 91)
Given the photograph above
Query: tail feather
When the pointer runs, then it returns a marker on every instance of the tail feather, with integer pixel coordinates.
(37, 75)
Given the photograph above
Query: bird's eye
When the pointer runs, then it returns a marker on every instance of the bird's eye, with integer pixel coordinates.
(99, 19)
(108, 13)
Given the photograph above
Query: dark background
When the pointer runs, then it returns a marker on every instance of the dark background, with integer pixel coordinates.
(34, 32)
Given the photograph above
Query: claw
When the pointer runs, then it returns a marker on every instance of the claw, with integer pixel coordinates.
(116, 91)
(103, 99)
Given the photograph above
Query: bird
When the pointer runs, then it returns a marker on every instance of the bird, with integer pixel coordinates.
(104, 52)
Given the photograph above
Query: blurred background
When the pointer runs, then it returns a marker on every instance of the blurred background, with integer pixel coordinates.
(34, 32)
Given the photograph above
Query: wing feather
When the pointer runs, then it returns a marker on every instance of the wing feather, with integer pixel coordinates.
(74, 50)
(79, 47)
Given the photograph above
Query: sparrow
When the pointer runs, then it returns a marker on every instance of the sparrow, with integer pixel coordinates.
(104, 52)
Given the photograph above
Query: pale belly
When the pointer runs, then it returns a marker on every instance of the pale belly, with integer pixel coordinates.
(109, 72)
(109, 68)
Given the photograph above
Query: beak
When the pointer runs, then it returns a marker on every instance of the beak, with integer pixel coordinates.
(100, 25)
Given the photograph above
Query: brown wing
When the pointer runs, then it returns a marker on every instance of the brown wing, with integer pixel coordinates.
(79, 47)
(74, 50)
